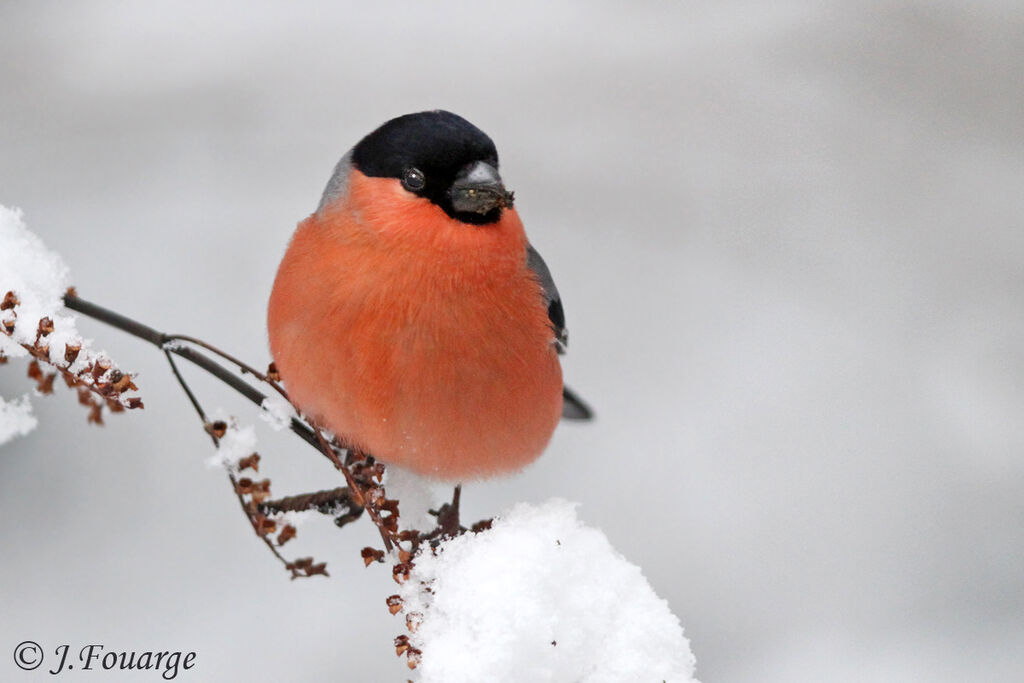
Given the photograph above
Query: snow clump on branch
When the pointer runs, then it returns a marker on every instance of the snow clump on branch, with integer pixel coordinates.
(539, 597)
(34, 323)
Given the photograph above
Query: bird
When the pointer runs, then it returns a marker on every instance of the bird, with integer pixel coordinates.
(411, 316)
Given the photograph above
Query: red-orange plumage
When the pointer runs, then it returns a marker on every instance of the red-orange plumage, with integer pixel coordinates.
(420, 338)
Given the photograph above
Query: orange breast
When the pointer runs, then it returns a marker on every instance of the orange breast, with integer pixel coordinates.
(421, 339)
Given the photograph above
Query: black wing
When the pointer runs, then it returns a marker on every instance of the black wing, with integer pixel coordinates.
(573, 407)
(554, 302)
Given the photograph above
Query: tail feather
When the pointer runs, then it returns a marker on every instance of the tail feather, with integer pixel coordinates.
(573, 407)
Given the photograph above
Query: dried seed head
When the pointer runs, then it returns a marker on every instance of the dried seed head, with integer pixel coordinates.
(304, 567)
(394, 604)
(303, 563)
(218, 428)
(121, 381)
(413, 621)
(287, 534)
(259, 490)
(100, 368)
(400, 572)
(71, 352)
(252, 461)
(45, 328)
(272, 373)
(371, 555)
(264, 525)
(46, 384)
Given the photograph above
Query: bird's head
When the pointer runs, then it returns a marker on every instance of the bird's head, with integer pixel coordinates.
(434, 155)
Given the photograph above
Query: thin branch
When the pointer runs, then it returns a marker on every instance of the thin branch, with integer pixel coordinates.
(362, 473)
(337, 502)
(188, 392)
(358, 495)
(243, 366)
(159, 339)
(246, 507)
(304, 566)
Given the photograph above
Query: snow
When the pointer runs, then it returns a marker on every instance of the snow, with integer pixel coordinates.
(540, 597)
(416, 495)
(295, 517)
(37, 276)
(173, 344)
(16, 418)
(277, 412)
(237, 443)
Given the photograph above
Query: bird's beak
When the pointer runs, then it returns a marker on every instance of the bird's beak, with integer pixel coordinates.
(478, 189)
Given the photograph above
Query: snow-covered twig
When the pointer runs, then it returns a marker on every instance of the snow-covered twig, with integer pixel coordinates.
(34, 324)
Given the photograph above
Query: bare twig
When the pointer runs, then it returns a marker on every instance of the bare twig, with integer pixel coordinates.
(242, 366)
(364, 497)
(363, 475)
(336, 502)
(256, 519)
(159, 339)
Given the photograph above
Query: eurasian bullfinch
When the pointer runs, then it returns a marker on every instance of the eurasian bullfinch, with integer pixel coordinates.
(411, 316)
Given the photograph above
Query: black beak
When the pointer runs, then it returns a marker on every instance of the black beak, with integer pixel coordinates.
(478, 189)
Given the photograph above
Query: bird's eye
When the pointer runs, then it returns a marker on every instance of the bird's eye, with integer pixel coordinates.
(414, 180)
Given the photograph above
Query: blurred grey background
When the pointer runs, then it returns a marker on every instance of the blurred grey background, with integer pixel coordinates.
(789, 236)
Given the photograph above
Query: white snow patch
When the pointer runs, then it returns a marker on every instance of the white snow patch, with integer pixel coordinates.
(277, 412)
(540, 597)
(295, 517)
(16, 418)
(416, 495)
(173, 345)
(237, 443)
(37, 276)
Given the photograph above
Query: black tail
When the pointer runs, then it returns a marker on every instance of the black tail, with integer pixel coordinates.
(573, 407)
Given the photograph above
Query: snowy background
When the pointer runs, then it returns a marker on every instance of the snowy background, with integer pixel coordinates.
(789, 239)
